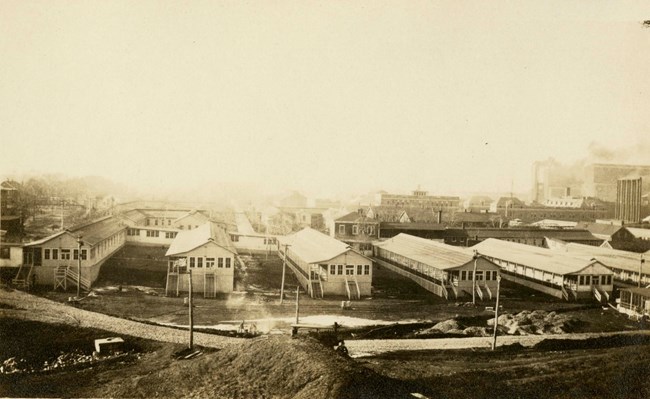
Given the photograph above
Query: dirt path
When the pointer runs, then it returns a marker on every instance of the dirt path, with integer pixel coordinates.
(20, 305)
(371, 347)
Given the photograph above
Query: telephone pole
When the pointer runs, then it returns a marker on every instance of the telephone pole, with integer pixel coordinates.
(474, 279)
(641, 269)
(79, 245)
(191, 310)
(297, 302)
(284, 265)
(496, 314)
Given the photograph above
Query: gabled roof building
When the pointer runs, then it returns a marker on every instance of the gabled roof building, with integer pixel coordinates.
(326, 266)
(444, 270)
(206, 252)
(553, 273)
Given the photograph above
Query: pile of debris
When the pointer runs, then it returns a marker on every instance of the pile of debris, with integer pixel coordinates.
(14, 365)
(535, 322)
(523, 323)
(64, 360)
(452, 327)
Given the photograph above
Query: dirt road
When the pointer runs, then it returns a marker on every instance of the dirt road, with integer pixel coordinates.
(364, 348)
(20, 305)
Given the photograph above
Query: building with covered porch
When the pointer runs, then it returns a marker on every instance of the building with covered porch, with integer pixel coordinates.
(326, 266)
(628, 267)
(554, 273)
(54, 260)
(207, 252)
(635, 302)
(445, 270)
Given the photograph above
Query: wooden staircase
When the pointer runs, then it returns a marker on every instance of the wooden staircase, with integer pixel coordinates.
(172, 285)
(352, 288)
(65, 273)
(600, 295)
(479, 291)
(23, 278)
(488, 290)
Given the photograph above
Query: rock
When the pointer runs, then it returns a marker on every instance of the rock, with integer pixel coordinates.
(475, 331)
(445, 326)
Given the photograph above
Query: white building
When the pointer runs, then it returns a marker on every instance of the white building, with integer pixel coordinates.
(326, 266)
(207, 252)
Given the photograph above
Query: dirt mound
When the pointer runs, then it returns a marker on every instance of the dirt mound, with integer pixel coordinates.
(276, 367)
(535, 322)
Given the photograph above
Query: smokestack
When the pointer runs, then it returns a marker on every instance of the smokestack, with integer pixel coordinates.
(567, 192)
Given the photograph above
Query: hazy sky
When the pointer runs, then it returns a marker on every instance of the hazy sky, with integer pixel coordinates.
(327, 96)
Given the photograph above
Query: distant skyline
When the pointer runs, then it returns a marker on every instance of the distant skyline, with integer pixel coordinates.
(322, 97)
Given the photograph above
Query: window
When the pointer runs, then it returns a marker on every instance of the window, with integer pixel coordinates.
(587, 280)
(366, 269)
(199, 262)
(332, 269)
(170, 234)
(371, 230)
(463, 275)
(75, 254)
(227, 263)
(355, 230)
(55, 254)
(209, 263)
(156, 222)
(340, 270)
(349, 270)
(169, 222)
(220, 264)
(4, 253)
(84, 254)
(342, 229)
(46, 253)
(234, 238)
(192, 261)
(65, 254)
(596, 280)
(359, 269)
(152, 233)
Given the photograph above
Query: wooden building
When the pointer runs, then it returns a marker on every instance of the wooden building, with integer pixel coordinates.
(357, 230)
(634, 302)
(554, 273)
(326, 266)
(209, 254)
(54, 259)
(627, 266)
(444, 270)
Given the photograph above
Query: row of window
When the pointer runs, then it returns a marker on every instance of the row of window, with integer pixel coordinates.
(367, 229)
(594, 280)
(53, 253)
(349, 270)
(480, 274)
(152, 233)
(198, 262)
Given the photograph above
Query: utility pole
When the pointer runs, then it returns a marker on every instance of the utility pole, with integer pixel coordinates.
(191, 310)
(297, 302)
(284, 265)
(496, 314)
(79, 245)
(474, 279)
(640, 269)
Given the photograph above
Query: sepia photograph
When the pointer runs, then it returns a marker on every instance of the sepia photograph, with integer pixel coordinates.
(314, 199)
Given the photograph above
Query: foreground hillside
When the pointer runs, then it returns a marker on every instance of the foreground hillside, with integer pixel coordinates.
(267, 367)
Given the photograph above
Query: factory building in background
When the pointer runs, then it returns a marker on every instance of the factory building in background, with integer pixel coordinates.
(628, 200)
